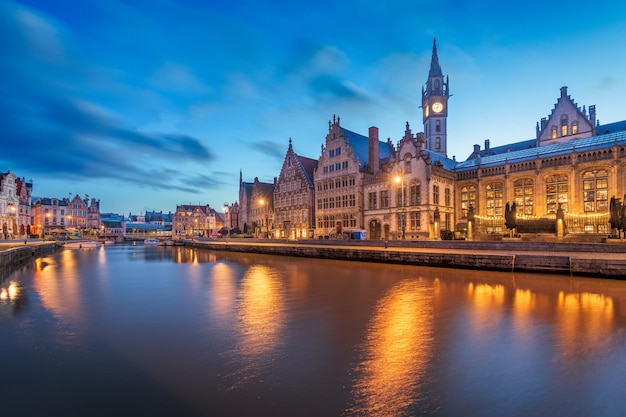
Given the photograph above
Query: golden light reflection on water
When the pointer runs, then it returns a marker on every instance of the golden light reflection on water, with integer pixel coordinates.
(58, 285)
(585, 321)
(397, 348)
(260, 314)
(223, 290)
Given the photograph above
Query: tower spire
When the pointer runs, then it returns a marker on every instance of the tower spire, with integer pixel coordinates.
(435, 68)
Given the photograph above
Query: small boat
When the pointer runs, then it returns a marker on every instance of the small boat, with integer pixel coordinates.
(108, 242)
(87, 244)
(151, 242)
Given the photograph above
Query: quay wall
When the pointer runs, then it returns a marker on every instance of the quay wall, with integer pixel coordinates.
(15, 256)
(514, 257)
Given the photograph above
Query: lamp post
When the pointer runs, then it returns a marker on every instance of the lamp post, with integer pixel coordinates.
(267, 225)
(226, 220)
(399, 179)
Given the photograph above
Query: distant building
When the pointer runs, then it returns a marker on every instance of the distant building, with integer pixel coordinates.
(49, 214)
(15, 206)
(195, 220)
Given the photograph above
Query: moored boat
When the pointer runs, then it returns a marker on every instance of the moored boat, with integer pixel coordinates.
(151, 241)
(87, 244)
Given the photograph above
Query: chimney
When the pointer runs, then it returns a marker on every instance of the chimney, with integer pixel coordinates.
(563, 92)
(374, 159)
(487, 146)
(477, 150)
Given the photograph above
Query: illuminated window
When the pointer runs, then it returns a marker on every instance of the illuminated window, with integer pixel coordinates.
(574, 128)
(468, 198)
(564, 125)
(523, 192)
(556, 192)
(595, 191)
(553, 132)
(493, 194)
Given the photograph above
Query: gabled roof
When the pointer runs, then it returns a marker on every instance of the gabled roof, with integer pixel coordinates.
(360, 145)
(308, 166)
(440, 160)
(556, 149)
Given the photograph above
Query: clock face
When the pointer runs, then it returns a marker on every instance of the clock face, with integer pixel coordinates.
(437, 107)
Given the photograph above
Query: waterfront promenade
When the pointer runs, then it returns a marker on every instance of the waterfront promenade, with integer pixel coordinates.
(605, 260)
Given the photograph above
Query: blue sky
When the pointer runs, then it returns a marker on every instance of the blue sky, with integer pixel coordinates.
(146, 105)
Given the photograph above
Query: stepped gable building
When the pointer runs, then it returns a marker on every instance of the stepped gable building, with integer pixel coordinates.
(294, 197)
(346, 158)
(411, 196)
(574, 164)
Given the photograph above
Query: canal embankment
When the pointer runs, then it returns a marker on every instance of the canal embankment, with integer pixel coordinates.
(585, 259)
(15, 254)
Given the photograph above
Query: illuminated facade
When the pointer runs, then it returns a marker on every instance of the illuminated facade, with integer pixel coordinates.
(294, 197)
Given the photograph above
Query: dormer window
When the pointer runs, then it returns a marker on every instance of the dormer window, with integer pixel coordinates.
(564, 125)
(553, 136)
(574, 128)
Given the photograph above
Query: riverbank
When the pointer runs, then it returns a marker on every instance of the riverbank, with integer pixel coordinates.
(13, 254)
(585, 259)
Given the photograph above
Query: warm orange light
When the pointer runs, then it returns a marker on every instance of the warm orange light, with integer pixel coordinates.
(397, 179)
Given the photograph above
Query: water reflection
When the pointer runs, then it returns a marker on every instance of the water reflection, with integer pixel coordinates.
(397, 348)
(260, 318)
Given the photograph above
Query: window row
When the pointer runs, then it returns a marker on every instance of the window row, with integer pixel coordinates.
(345, 220)
(595, 195)
(336, 202)
(336, 167)
(336, 183)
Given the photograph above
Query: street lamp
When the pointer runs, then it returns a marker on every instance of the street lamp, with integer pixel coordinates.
(399, 179)
(267, 225)
(226, 221)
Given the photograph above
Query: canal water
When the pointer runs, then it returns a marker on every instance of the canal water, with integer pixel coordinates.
(171, 331)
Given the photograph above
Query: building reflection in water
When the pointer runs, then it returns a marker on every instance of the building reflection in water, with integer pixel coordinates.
(397, 347)
(260, 319)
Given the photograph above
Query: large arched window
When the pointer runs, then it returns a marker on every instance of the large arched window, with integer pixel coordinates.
(556, 192)
(468, 198)
(523, 191)
(595, 191)
(493, 194)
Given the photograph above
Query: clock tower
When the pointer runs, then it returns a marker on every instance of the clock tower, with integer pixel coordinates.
(435, 107)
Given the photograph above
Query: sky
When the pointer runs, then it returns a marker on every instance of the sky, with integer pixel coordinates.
(147, 105)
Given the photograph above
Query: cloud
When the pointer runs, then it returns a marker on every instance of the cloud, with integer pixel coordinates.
(270, 148)
(53, 127)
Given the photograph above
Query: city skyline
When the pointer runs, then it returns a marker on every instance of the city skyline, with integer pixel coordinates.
(150, 105)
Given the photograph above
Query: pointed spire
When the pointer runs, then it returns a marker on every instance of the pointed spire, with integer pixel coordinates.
(435, 68)
(290, 147)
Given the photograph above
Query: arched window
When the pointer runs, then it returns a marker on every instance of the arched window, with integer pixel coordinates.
(493, 194)
(553, 135)
(437, 142)
(556, 192)
(438, 126)
(574, 128)
(524, 195)
(595, 191)
(564, 125)
(468, 198)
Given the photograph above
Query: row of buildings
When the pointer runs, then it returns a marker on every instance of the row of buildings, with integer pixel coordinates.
(23, 216)
(412, 189)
